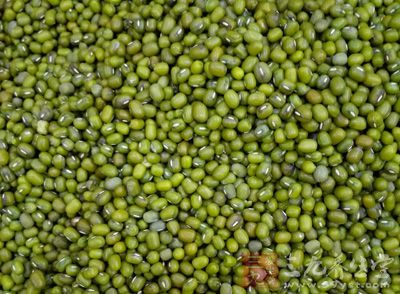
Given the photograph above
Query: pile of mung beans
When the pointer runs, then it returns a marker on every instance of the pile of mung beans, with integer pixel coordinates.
(160, 146)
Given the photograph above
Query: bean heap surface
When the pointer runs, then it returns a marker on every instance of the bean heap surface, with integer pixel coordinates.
(199, 146)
